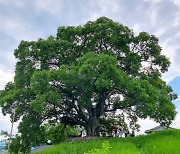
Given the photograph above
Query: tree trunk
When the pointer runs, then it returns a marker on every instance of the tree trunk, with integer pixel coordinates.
(93, 126)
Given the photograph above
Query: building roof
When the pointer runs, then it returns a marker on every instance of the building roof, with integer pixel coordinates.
(158, 128)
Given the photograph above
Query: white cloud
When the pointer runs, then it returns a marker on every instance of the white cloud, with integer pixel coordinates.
(153, 17)
(160, 32)
(153, 1)
(176, 18)
(176, 122)
(18, 30)
(173, 70)
(176, 2)
(17, 3)
(106, 6)
(5, 77)
(136, 29)
(171, 74)
(53, 7)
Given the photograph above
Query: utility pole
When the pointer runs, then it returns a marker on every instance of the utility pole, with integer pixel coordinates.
(12, 125)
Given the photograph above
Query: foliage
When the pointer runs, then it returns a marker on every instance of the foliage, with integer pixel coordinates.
(16, 145)
(6, 138)
(4, 134)
(86, 76)
(58, 133)
(106, 147)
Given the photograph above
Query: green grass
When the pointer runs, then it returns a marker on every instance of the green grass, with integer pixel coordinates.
(164, 142)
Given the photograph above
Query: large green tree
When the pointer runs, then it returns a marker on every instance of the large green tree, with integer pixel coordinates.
(87, 75)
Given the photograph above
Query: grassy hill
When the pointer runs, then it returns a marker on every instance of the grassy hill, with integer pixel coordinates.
(164, 142)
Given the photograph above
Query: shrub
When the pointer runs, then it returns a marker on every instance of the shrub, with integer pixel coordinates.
(105, 149)
(58, 133)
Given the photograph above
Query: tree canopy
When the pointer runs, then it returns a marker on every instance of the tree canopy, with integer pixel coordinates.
(93, 75)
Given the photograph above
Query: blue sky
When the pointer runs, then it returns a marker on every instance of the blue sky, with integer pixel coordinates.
(32, 19)
(175, 84)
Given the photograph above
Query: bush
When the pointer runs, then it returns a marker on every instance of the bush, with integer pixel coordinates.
(58, 133)
(105, 149)
(15, 145)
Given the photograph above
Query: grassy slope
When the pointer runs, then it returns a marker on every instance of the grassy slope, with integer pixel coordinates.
(164, 142)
